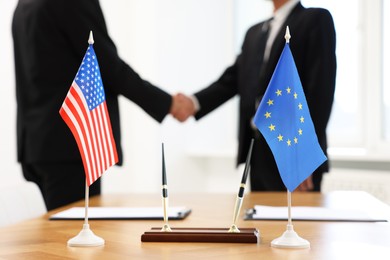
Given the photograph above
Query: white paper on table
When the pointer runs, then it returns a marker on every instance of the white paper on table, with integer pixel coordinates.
(106, 213)
(261, 212)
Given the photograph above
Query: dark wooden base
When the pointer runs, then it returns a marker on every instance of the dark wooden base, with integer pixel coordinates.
(207, 235)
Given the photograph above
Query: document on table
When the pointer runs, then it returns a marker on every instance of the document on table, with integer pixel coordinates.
(261, 212)
(124, 213)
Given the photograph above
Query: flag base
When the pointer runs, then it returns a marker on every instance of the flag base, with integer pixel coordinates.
(86, 238)
(290, 239)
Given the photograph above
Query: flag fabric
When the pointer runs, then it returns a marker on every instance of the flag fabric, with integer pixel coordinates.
(85, 112)
(284, 120)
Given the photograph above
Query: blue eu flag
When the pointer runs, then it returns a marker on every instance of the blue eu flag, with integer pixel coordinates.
(284, 120)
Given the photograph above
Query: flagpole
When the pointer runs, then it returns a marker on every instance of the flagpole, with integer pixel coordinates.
(289, 239)
(287, 36)
(86, 202)
(86, 238)
(289, 223)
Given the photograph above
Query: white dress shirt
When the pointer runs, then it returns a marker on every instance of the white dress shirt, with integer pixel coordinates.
(278, 20)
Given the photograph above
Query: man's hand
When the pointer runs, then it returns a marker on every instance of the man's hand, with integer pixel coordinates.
(182, 107)
(306, 185)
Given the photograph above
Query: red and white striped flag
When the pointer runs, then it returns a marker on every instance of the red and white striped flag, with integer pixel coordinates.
(85, 112)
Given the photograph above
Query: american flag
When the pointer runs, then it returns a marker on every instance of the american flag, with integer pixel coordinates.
(85, 112)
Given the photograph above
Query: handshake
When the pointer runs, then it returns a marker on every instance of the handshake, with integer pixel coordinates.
(182, 107)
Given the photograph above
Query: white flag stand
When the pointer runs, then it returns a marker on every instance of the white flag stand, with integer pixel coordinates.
(86, 238)
(290, 239)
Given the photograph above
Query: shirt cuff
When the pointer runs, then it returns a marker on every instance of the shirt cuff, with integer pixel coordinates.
(195, 102)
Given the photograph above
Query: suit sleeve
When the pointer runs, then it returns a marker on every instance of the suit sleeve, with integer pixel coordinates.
(119, 78)
(218, 92)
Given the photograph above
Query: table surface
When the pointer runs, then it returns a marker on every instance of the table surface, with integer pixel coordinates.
(41, 238)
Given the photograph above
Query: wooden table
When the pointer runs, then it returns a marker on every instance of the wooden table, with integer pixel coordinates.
(41, 238)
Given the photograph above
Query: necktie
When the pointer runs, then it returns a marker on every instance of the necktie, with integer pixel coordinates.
(263, 37)
(262, 42)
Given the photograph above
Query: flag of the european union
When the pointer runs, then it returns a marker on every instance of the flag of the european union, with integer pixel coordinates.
(283, 118)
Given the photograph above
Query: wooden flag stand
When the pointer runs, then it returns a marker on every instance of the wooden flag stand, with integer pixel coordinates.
(208, 235)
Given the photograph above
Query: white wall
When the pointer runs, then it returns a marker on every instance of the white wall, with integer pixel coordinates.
(180, 45)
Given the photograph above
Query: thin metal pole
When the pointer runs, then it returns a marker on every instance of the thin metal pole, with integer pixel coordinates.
(86, 202)
(289, 207)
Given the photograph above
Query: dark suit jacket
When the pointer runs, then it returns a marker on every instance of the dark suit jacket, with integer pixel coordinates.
(50, 40)
(313, 47)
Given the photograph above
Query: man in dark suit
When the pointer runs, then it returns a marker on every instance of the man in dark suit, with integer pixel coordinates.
(50, 40)
(313, 47)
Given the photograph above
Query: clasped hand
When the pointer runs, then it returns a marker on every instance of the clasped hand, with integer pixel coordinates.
(182, 107)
